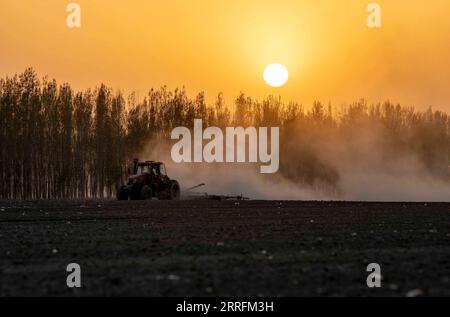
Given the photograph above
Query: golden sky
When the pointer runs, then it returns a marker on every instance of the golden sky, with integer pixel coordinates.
(224, 45)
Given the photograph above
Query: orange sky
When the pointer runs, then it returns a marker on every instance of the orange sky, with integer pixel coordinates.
(224, 45)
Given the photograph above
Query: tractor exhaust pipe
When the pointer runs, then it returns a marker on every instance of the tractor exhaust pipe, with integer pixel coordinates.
(135, 166)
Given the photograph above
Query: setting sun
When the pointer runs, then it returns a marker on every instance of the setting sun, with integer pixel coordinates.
(276, 75)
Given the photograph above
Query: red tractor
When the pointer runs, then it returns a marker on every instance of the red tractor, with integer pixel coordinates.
(148, 180)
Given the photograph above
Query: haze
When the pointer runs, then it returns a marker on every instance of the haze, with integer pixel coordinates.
(223, 46)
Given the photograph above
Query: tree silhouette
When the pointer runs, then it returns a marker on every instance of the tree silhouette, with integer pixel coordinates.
(59, 144)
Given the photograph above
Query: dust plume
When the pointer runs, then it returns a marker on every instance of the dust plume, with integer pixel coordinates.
(230, 179)
(361, 157)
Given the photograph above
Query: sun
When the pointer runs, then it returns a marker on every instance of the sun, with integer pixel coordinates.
(276, 75)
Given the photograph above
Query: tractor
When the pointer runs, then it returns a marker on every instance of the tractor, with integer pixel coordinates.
(148, 180)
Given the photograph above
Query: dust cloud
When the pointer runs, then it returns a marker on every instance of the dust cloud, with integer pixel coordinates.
(364, 172)
(362, 167)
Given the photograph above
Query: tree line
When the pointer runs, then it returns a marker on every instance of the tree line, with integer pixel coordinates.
(57, 143)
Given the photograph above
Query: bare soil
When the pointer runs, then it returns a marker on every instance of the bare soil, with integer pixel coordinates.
(213, 248)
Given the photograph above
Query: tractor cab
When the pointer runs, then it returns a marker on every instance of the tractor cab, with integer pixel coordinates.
(152, 168)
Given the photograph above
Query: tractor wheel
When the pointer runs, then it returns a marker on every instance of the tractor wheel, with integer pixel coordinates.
(146, 193)
(122, 194)
(135, 196)
(174, 191)
(164, 195)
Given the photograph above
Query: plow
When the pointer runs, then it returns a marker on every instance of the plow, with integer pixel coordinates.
(192, 194)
